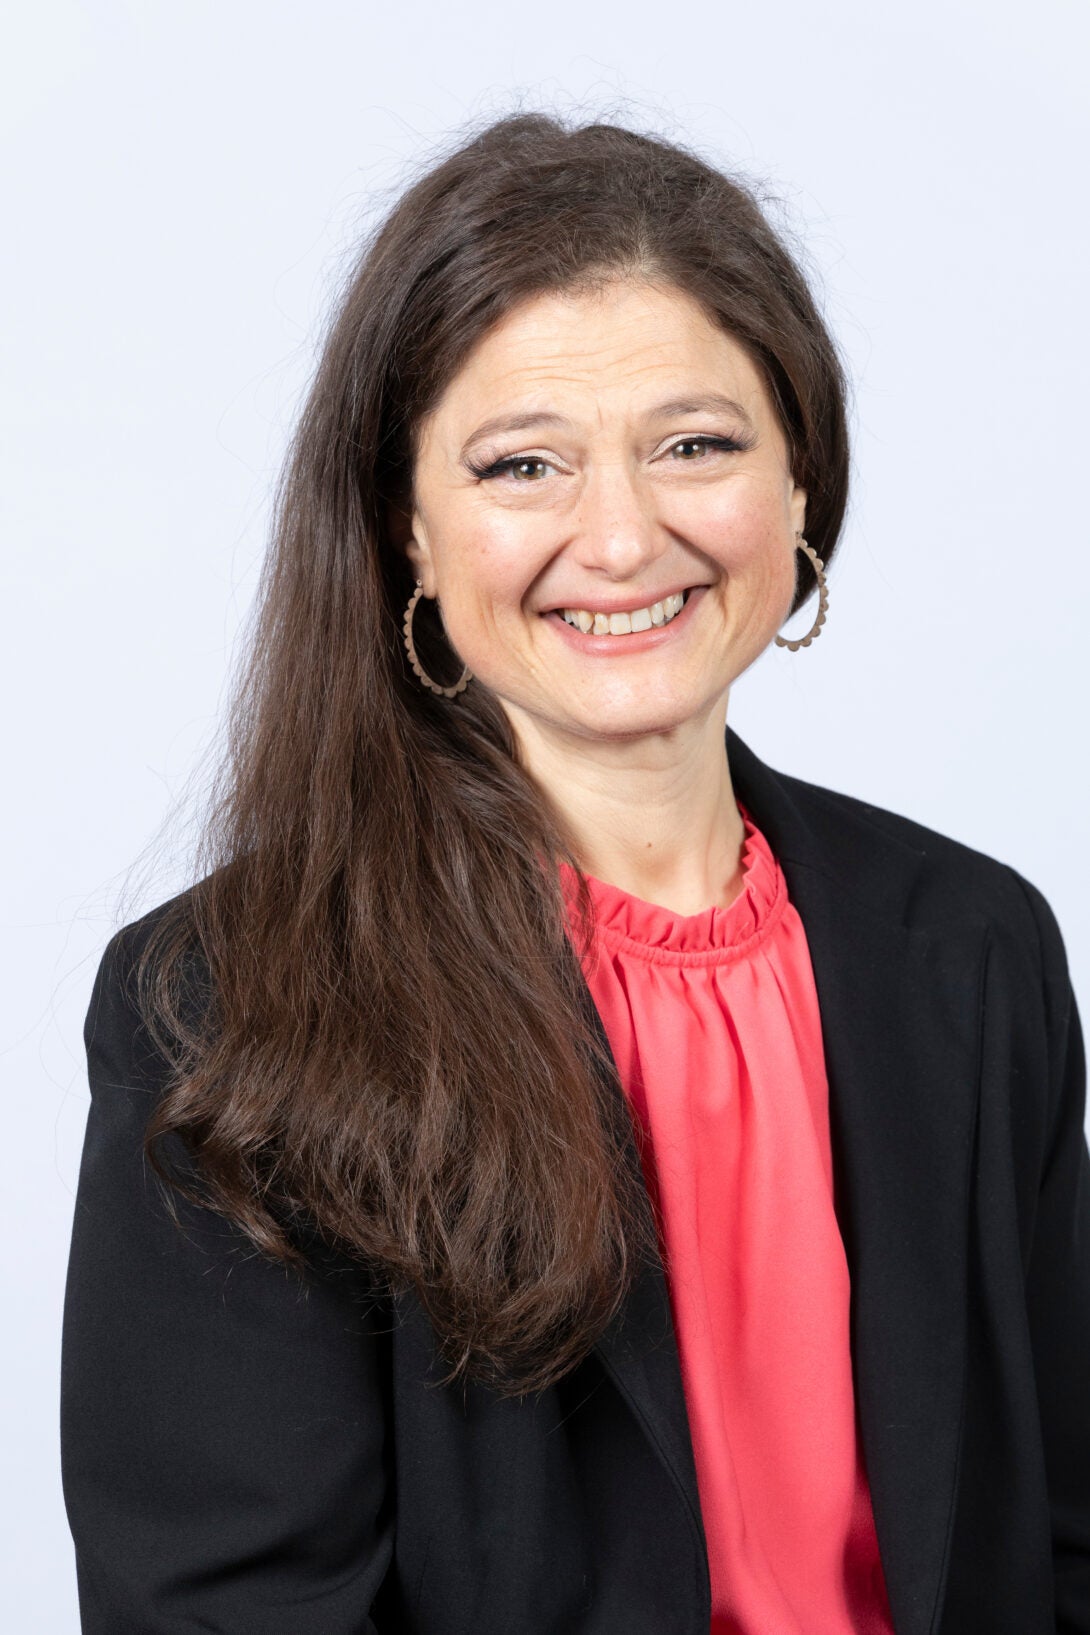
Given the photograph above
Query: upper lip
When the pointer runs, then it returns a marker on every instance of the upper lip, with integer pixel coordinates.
(628, 606)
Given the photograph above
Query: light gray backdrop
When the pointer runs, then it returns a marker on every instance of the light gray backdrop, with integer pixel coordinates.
(182, 187)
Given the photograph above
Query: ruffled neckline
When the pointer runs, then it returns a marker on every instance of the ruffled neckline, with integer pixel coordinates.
(711, 936)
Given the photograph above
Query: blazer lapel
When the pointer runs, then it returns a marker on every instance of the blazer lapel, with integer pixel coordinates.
(901, 1008)
(900, 1019)
(901, 1013)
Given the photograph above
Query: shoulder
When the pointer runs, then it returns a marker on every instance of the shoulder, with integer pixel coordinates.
(115, 1031)
(935, 878)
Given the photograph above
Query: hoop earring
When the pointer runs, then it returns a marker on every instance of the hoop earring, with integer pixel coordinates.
(410, 648)
(823, 599)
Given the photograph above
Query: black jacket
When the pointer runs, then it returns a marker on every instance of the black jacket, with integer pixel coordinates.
(239, 1458)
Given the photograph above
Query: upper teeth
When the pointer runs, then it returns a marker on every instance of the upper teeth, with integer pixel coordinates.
(623, 624)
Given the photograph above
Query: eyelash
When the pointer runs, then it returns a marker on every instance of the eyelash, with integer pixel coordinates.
(732, 445)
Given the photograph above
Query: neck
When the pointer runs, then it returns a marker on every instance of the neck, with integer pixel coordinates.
(655, 816)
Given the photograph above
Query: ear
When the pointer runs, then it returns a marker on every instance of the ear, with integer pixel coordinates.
(407, 533)
(798, 510)
(419, 555)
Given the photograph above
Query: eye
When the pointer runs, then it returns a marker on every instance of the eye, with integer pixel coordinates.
(526, 468)
(698, 447)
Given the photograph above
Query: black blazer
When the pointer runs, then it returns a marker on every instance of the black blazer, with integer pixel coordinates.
(240, 1458)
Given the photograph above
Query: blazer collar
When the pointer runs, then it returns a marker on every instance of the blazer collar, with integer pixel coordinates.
(901, 1008)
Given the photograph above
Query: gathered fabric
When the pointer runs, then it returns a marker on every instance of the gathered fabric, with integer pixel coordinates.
(714, 1024)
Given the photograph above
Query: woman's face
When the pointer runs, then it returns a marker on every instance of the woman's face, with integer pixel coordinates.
(603, 454)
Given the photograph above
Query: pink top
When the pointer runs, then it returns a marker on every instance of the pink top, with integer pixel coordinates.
(713, 1021)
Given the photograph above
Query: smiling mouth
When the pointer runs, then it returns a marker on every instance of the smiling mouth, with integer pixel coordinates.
(651, 617)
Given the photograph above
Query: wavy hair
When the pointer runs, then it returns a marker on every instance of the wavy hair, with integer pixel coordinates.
(394, 1047)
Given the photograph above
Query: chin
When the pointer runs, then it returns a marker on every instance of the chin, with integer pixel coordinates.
(636, 721)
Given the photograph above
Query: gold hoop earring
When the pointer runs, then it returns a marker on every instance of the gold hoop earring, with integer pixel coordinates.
(823, 599)
(410, 648)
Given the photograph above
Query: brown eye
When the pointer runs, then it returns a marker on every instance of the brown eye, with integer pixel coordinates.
(523, 467)
(700, 447)
(526, 470)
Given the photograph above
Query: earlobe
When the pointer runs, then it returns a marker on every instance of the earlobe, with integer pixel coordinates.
(420, 561)
(414, 542)
(798, 510)
(403, 528)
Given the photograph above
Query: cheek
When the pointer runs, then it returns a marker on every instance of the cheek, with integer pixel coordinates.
(480, 553)
(495, 568)
(752, 546)
(485, 574)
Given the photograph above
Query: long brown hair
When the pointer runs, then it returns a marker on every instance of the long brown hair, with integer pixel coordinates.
(393, 1045)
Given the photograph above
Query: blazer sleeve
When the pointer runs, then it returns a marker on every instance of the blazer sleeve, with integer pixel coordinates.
(1058, 1287)
(223, 1438)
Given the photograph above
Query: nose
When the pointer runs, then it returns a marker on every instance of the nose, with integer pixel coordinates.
(618, 531)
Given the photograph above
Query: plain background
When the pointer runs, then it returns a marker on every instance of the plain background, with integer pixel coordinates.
(184, 185)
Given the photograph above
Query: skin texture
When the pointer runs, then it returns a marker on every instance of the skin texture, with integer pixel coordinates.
(613, 506)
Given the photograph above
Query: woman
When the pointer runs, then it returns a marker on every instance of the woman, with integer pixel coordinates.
(604, 1185)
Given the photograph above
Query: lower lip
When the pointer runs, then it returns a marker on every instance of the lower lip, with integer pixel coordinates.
(640, 641)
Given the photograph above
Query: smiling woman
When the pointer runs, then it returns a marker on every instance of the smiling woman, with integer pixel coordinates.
(638, 486)
(594, 1183)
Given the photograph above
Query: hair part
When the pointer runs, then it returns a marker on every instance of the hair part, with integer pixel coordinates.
(392, 1045)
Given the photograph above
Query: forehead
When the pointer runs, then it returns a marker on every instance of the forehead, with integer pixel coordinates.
(636, 341)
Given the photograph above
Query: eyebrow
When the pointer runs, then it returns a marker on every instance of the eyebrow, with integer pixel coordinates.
(704, 403)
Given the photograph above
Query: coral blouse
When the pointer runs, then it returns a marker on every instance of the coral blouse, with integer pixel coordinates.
(713, 1021)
